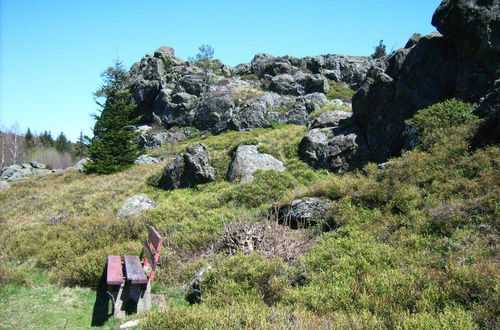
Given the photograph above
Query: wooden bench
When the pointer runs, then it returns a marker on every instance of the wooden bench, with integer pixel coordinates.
(131, 292)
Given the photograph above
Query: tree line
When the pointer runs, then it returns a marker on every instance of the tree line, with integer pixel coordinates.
(59, 152)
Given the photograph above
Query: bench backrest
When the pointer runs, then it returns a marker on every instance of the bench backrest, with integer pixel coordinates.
(152, 249)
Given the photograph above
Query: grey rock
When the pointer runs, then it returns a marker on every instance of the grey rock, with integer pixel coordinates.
(174, 109)
(339, 148)
(135, 205)
(145, 159)
(189, 169)
(242, 69)
(299, 84)
(38, 165)
(79, 166)
(4, 185)
(18, 172)
(214, 113)
(473, 26)
(312, 101)
(331, 119)
(351, 70)
(247, 159)
(302, 213)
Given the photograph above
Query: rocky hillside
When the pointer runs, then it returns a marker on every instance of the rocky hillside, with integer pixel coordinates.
(301, 211)
(462, 61)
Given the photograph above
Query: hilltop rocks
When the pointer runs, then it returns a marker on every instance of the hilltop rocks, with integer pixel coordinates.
(247, 160)
(17, 172)
(189, 169)
(461, 63)
(302, 213)
(135, 205)
(299, 84)
(171, 92)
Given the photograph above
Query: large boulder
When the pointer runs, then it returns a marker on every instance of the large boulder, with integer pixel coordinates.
(135, 205)
(461, 63)
(332, 118)
(339, 148)
(301, 213)
(214, 113)
(247, 159)
(80, 165)
(188, 169)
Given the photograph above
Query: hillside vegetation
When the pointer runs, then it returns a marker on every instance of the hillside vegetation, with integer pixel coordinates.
(410, 244)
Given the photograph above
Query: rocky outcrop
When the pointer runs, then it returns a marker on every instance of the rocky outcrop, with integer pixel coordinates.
(247, 159)
(135, 205)
(17, 172)
(462, 62)
(301, 213)
(171, 92)
(188, 169)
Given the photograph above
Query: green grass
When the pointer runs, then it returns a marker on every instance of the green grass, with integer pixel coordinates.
(339, 91)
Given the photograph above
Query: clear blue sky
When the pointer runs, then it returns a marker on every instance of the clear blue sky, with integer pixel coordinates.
(53, 51)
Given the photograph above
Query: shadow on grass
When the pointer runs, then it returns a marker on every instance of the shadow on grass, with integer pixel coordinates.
(101, 312)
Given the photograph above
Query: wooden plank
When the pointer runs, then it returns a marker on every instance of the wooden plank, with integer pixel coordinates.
(149, 256)
(134, 270)
(114, 273)
(155, 239)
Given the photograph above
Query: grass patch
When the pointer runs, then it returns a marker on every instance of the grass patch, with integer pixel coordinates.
(340, 91)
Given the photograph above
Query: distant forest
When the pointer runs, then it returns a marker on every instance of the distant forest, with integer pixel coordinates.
(58, 152)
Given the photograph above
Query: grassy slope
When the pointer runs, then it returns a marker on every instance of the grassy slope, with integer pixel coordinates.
(416, 247)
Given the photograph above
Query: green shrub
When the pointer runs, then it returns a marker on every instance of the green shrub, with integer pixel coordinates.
(433, 123)
(339, 90)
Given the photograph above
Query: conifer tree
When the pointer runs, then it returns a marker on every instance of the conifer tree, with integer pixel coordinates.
(114, 146)
(29, 140)
(46, 139)
(81, 147)
(62, 144)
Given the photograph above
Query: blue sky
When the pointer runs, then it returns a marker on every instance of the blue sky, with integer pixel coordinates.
(53, 51)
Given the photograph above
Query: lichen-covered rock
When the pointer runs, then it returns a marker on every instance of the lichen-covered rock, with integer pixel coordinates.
(247, 159)
(189, 169)
(214, 113)
(331, 119)
(301, 213)
(135, 205)
(335, 148)
(299, 84)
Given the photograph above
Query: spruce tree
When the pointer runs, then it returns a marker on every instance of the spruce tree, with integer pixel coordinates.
(114, 146)
(81, 147)
(29, 140)
(62, 144)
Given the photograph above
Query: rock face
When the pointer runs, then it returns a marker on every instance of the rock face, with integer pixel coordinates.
(17, 172)
(461, 63)
(171, 92)
(189, 169)
(302, 213)
(247, 160)
(334, 142)
(135, 205)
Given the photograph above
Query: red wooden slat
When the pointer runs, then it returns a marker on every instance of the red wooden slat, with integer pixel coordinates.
(155, 239)
(134, 270)
(114, 273)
